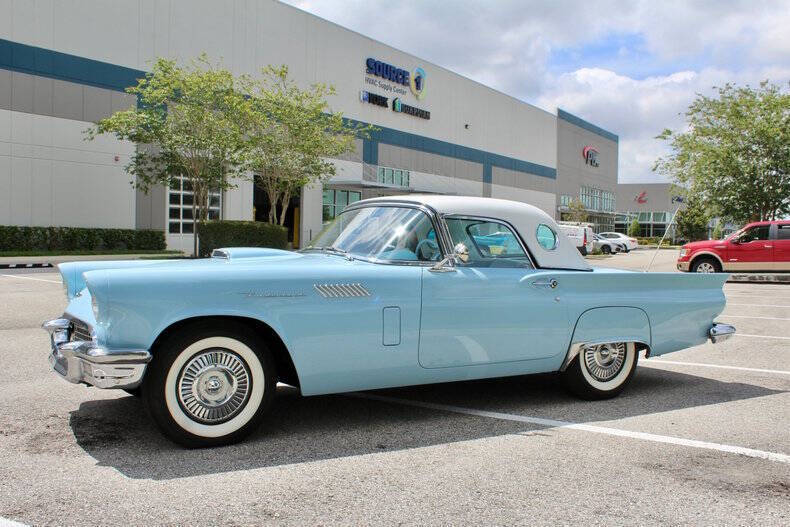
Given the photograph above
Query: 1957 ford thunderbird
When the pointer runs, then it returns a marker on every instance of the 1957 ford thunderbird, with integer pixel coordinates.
(395, 291)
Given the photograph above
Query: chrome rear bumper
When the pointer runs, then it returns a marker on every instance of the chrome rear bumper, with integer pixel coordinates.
(80, 361)
(720, 332)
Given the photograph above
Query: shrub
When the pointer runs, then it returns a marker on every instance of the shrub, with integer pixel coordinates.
(225, 233)
(78, 239)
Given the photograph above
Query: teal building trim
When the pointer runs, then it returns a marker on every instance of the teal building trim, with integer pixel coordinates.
(34, 60)
(581, 123)
(63, 66)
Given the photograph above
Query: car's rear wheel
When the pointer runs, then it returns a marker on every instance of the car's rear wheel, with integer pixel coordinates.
(210, 385)
(705, 265)
(601, 371)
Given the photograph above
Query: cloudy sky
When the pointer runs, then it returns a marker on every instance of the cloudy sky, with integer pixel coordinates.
(631, 67)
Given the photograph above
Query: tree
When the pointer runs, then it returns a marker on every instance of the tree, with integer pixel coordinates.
(577, 211)
(691, 222)
(717, 231)
(293, 134)
(189, 122)
(735, 153)
(633, 229)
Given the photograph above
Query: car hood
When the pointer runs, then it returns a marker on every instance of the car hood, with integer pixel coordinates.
(704, 244)
(73, 273)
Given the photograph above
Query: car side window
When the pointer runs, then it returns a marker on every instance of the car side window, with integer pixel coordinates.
(783, 232)
(490, 243)
(760, 232)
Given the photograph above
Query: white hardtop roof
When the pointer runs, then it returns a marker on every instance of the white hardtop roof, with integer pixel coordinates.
(524, 217)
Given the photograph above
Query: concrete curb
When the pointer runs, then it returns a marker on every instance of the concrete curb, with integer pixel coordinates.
(24, 265)
(776, 278)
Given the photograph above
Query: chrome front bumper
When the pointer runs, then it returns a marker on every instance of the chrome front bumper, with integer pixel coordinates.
(720, 332)
(80, 361)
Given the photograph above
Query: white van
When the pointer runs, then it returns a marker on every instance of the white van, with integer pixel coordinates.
(580, 234)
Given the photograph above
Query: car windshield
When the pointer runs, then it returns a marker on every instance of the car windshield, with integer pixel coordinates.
(380, 233)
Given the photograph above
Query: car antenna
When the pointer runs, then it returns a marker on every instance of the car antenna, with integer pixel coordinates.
(679, 201)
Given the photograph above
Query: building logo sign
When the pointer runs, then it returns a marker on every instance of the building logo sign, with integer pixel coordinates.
(641, 198)
(417, 83)
(372, 98)
(590, 156)
(387, 71)
(414, 81)
(398, 106)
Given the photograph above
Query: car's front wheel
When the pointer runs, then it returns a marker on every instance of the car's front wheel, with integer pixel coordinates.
(705, 265)
(606, 249)
(209, 384)
(601, 371)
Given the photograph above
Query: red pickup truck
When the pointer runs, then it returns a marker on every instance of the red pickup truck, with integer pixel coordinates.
(760, 246)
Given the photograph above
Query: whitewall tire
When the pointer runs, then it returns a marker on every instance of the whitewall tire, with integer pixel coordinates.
(601, 371)
(209, 385)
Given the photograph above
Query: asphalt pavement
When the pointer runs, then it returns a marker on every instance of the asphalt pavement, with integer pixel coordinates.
(701, 436)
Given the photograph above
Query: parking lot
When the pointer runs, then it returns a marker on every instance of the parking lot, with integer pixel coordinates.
(701, 436)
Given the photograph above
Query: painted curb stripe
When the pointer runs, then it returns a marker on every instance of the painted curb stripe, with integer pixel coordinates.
(552, 423)
(25, 265)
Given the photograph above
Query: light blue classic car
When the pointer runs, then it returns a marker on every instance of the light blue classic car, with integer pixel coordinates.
(395, 291)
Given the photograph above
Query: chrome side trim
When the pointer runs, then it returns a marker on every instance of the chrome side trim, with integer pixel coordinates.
(576, 348)
(720, 332)
(341, 290)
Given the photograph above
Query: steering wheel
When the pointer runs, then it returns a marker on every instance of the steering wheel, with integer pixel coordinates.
(431, 244)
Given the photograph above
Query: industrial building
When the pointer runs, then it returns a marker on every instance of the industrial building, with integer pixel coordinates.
(64, 65)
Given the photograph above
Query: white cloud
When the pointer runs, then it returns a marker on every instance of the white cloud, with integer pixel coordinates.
(509, 45)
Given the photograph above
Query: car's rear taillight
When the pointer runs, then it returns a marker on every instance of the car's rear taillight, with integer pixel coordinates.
(585, 236)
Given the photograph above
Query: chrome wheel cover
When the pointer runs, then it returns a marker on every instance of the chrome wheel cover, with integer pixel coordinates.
(214, 386)
(604, 361)
(706, 267)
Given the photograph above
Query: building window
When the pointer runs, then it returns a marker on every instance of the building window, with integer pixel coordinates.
(565, 200)
(393, 176)
(596, 199)
(336, 200)
(180, 199)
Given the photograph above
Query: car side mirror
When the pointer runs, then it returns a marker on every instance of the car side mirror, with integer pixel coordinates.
(447, 265)
(461, 252)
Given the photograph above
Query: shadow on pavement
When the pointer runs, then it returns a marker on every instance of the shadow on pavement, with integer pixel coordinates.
(118, 433)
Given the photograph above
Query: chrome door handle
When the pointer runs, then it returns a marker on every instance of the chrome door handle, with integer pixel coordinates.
(768, 246)
(551, 283)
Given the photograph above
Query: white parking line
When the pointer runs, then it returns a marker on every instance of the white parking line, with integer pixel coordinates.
(29, 278)
(755, 305)
(761, 336)
(761, 318)
(5, 522)
(654, 362)
(750, 452)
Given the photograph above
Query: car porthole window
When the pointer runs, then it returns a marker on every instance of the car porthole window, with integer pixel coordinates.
(547, 238)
